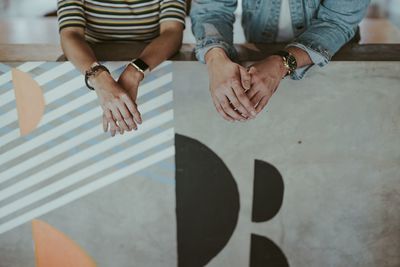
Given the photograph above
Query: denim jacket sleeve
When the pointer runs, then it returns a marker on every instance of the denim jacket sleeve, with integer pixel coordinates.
(335, 24)
(212, 26)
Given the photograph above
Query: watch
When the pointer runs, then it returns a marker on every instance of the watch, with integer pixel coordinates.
(140, 65)
(94, 69)
(289, 61)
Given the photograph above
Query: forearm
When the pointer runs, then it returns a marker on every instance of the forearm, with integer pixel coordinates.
(335, 24)
(77, 50)
(157, 51)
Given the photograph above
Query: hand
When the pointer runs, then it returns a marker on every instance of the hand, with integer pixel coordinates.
(129, 80)
(228, 83)
(116, 103)
(266, 76)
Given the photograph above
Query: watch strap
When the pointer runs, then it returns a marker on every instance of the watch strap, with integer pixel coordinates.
(94, 69)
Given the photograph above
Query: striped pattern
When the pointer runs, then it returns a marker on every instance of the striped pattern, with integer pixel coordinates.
(120, 20)
(68, 156)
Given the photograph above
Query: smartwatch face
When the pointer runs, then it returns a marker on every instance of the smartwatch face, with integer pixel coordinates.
(141, 64)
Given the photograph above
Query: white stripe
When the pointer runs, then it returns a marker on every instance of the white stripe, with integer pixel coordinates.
(42, 79)
(86, 172)
(174, 9)
(50, 96)
(65, 8)
(122, 5)
(46, 173)
(64, 146)
(122, 16)
(28, 66)
(172, 19)
(57, 92)
(87, 189)
(61, 91)
(116, 27)
(59, 112)
(69, 18)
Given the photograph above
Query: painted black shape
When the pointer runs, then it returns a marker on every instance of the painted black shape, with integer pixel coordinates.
(268, 191)
(265, 253)
(207, 202)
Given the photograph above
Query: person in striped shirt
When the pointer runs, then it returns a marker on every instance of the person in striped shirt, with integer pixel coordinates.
(159, 23)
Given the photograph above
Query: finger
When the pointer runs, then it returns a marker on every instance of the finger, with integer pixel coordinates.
(252, 70)
(256, 99)
(113, 129)
(251, 92)
(111, 121)
(229, 110)
(116, 126)
(244, 100)
(263, 102)
(117, 115)
(245, 77)
(236, 104)
(132, 108)
(221, 111)
(105, 123)
(127, 116)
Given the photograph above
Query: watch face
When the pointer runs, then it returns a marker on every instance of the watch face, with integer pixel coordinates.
(141, 64)
(291, 60)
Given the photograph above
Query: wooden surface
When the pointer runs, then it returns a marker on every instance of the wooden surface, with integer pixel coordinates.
(248, 52)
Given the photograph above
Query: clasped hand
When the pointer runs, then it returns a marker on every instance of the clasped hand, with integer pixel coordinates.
(239, 94)
(118, 100)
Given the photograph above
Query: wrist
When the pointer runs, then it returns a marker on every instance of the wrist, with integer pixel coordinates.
(100, 78)
(274, 61)
(214, 55)
(281, 68)
(132, 71)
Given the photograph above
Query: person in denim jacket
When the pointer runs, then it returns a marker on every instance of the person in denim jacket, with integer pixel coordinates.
(314, 29)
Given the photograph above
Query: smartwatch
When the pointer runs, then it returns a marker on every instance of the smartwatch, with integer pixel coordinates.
(140, 65)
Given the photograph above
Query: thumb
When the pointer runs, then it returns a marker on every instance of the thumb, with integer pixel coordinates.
(245, 77)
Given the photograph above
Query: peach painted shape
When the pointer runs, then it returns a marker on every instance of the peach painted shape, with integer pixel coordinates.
(55, 249)
(30, 101)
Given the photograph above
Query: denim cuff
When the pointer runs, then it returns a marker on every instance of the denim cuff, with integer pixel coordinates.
(203, 46)
(318, 55)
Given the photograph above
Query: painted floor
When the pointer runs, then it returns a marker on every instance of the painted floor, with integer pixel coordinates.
(313, 181)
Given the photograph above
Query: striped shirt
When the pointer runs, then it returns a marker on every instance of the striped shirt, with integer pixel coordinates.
(119, 20)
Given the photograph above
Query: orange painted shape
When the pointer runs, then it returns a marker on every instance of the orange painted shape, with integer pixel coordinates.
(55, 249)
(30, 101)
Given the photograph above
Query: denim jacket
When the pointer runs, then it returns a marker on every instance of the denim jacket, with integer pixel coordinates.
(320, 27)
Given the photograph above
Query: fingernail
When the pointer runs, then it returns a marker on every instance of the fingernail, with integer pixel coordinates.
(253, 113)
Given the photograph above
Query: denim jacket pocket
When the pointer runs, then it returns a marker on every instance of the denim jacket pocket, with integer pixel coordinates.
(251, 5)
